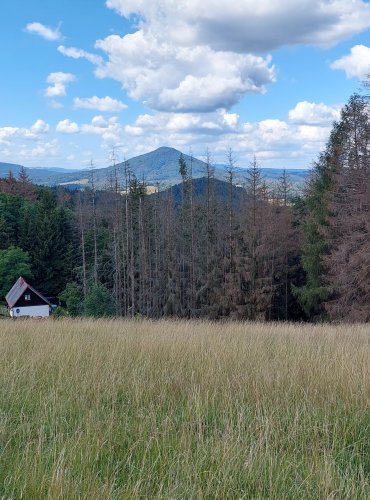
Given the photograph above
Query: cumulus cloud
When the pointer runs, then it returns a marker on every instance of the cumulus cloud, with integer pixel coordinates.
(310, 113)
(272, 130)
(172, 78)
(312, 134)
(102, 104)
(79, 54)
(249, 27)
(58, 82)
(35, 132)
(42, 150)
(200, 57)
(355, 64)
(46, 32)
(189, 125)
(23, 144)
(67, 127)
(110, 130)
(6, 133)
(40, 127)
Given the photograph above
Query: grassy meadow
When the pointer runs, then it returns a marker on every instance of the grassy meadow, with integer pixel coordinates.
(113, 409)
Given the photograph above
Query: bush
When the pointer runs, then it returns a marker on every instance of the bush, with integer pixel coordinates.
(99, 302)
(72, 297)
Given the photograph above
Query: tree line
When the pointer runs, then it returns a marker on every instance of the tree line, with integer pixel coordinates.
(267, 254)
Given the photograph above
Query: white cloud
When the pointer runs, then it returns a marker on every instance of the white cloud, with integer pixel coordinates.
(100, 122)
(202, 56)
(249, 26)
(42, 151)
(6, 133)
(58, 82)
(312, 134)
(110, 130)
(102, 104)
(67, 127)
(133, 130)
(172, 78)
(79, 54)
(35, 132)
(22, 144)
(46, 32)
(355, 64)
(310, 113)
(231, 119)
(273, 130)
(40, 127)
(293, 142)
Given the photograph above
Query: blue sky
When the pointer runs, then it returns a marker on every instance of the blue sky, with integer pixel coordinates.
(81, 77)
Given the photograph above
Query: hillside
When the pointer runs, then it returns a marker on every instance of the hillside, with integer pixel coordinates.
(219, 189)
(5, 168)
(38, 175)
(159, 166)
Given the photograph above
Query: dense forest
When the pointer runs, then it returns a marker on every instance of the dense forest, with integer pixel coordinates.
(260, 253)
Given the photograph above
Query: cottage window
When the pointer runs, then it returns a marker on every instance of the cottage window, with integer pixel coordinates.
(27, 296)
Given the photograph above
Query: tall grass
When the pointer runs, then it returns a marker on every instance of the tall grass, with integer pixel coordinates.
(138, 409)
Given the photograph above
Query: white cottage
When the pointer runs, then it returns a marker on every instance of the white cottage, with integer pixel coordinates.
(24, 300)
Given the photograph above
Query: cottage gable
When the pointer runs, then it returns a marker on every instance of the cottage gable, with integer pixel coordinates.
(24, 300)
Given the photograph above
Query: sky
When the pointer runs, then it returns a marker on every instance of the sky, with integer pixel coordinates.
(82, 78)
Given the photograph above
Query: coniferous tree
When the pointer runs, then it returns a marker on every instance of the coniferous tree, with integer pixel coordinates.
(348, 224)
(14, 262)
(346, 155)
(316, 291)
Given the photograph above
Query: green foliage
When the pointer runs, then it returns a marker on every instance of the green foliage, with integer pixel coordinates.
(47, 198)
(11, 208)
(45, 232)
(72, 297)
(60, 312)
(182, 167)
(14, 262)
(99, 302)
(137, 188)
(53, 249)
(313, 295)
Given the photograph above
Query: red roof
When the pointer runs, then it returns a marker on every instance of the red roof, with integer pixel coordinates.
(18, 289)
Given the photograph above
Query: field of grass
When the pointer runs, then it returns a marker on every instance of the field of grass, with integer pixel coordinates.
(137, 409)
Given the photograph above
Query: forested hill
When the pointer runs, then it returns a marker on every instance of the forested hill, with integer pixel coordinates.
(157, 167)
(183, 253)
(204, 248)
(220, 192)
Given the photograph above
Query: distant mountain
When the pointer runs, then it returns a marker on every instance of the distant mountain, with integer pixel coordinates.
(271, 175)
(5, 168)
(38, 175)
(159, 166)
(296, 175)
